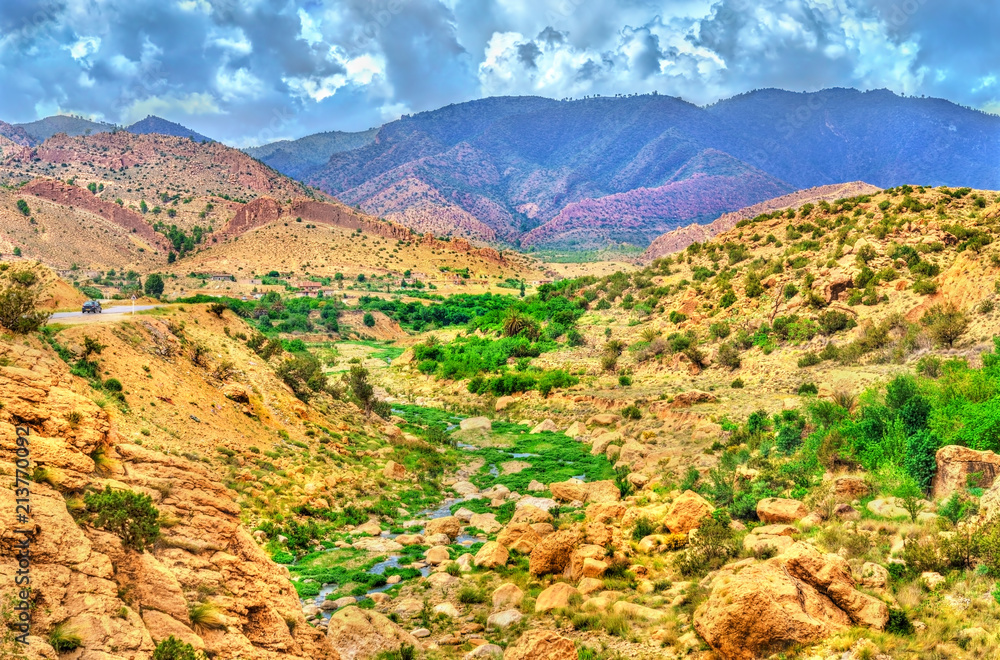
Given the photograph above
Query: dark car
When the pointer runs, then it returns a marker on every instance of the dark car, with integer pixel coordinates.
(92, 307)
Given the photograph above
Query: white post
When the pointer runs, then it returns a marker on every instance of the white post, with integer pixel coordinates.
(133, 304)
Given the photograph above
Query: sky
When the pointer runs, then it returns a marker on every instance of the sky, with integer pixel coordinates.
(248, 72)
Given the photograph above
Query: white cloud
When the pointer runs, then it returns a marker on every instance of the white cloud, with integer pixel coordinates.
(237, 85)
(189, 104)
(83, 47)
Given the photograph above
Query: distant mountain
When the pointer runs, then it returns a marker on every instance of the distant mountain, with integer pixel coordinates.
(300, 158)
(535, 171)
(43, 129)
(159, 126)
(16, 134)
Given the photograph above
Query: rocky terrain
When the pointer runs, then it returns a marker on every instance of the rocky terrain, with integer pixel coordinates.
(778, 442)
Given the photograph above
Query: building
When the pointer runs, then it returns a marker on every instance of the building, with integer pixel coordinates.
(309, 288)
(220, 277)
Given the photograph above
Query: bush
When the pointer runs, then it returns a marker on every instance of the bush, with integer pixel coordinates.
(719, 330)
(22, 206)
(810, 359)
(624, 380)
(631, 412)
(174, 649)
(368, 320)
(808, 388)
(729, 356)
(19, 303)
(832, 321)
(471, 594)
(737, 384)
(63, 638)
(643, 528)
(153, 286)
(113, 385)
(945, 324)
(126, 514)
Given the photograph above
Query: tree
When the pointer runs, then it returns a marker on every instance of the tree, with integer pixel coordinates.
(304, 374)
(369, 320)
(365, 393)
(127, 514)
(143, 207)
(19, 303)
(522, 289)
(22, 206)
(17, 252)
(171, 257)
(945, 323)
(154, 286)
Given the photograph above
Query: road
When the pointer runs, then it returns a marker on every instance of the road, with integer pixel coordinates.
(108, 311)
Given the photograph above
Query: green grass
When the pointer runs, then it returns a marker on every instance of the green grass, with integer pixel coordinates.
(556, 457)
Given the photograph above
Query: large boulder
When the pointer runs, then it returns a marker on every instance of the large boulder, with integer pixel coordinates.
(556, 597)
(507, 595)
(357, 634)
(545, 504)
(799, 597)
(519, 537)
(780, 510)
(571, 490)
(546, 426)
(955, 466)
(541, 645)
(551, 555)
(448, 525)
(850, 487)
(491, 555)
(686, 512)
(578, 565)
(603, 492)
(486, 522)
(394, 470)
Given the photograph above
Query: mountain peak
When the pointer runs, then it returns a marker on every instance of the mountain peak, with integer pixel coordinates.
(161, 126)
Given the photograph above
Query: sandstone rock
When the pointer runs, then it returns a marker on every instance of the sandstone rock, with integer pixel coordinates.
(575, 430)
(447, 609)
(507, 596)
(541, 645)
(543, 503)
(394, 470)
(633, 611)
(519, 537)
(758, 542)
(686, 512)
(463, 514)
(546, 426)
(420, 633)
(535, 486)
(594, 568)
(932, 580)
(888, 507)
(779, 510)
(485, 651)
(555, 597)
(662, 543)
(486, 522)
(602, 492)
(437, 555)
(410, 539)
(357, 634)
(599, 534)
(476, 423)
(956, 464)
(491, 555)
(606, 512)
(504, 619)
(576, 568)
(449, 525)
(688, 399)
(465, 562)
(503, 403)
(850, 487)
(552, 553)
(408, 607)
(631, 453)
(590, 585)
(569, 491)
(236, 392)
(465, 488)
(372, 528)
(162, 626)
(602, 442)
(603, 419)
(442, 580)
(874, 576)
(437, 539)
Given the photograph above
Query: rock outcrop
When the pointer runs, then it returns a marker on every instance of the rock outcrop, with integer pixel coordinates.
(358, 634)
(955, 465)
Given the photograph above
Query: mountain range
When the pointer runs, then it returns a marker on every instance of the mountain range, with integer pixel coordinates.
(538, 172)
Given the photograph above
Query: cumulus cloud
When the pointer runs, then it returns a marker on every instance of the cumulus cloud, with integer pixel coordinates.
(244, 71)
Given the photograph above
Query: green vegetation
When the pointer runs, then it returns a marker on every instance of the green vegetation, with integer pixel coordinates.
(127, 514)
(19, 302)
(174, 649)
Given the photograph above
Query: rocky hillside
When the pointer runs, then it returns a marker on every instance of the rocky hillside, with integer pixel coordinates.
(160, 126)
(678, 239)
(300, 158)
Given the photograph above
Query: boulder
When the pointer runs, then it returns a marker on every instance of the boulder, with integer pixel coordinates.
(357, 634)
(575, 430)
(476, 423)
(571, 490)
(888, 507)
(410, 539)
(236, 392)
(448, 525)
(955, 466)
(604, 419)
(577, 566)
(465, 488)
(546, 426)
(551, 555)
(442, 580)
(486, 522)
(535, 486)
(605, 512)
(874, 576)
(394, 470)
(463, 514)
(602, 442)
(437, 555)
(519, 537)
(503, 403)
(504, 619)
(507, 595)
(590, 585)
(543, 503)
(694, 397)
(556, 597)
(603, 492)
(780, 510)
(491, 555)
(686, 512)
(831, 575)
(448, 610)
(848, 487)
(541, 645)
(634, 611)
(376, 544)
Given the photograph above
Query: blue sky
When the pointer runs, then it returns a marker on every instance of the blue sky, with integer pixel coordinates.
(252, 71)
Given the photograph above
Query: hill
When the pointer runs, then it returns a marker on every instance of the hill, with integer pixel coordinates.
(152, 124)
(43, 129)
(678, 239)
(540, 172)
(300, 158)
(15, 135)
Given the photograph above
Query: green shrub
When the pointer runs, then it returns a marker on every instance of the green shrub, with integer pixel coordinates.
(126, 514)
(631, 411)
(729, 356)
(62, 638)
(719, 330)
(625, 380)
(737, 384)
(369, 320)
(810, 359)
(643, 528)
(113, 385)
(808, 388)
(471, 594)
(174, 649)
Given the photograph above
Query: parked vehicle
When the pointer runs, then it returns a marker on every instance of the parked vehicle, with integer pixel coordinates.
(92, 307)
